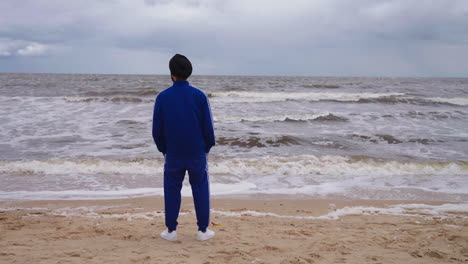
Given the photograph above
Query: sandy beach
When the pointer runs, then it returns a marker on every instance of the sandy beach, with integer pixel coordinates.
(305, 170)
(247, 231)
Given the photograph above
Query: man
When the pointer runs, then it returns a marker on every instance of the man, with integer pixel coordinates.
(183, 132)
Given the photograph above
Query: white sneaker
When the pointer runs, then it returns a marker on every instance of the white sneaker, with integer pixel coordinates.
(169, 236)
(205, 236)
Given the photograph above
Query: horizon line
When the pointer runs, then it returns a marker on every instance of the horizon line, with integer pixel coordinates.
(240, 75)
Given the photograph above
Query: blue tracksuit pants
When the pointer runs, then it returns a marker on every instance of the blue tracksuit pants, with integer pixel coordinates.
(174, 173)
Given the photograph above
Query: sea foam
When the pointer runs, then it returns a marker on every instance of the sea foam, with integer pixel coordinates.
(265, 165)
(454, 211)
(258, 97)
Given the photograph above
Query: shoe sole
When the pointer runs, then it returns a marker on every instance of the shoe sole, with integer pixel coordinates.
(205, 239)
(172, 240)
(169, 239)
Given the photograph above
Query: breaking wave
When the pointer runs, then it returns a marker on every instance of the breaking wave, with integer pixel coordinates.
(443, 211)
(434, 115)
(427, 211)
(260, 142)
(265, 97)
(327, 86)
(393, 140)
(454, 101)
(266, 165)
(142, 92)
(282, 118)
(259, 97)
(108, 99)
(416, 100)
(388, 98)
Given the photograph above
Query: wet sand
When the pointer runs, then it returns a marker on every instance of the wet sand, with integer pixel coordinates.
(248, 231)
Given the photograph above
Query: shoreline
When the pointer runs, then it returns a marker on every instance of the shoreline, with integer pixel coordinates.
(249, 231)
(265, 204)
(218, 200)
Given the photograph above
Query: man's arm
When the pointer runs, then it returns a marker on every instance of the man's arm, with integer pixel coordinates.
(158, 127)
(208, 130)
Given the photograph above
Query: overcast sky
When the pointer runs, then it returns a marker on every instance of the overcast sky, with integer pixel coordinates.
(237, 37)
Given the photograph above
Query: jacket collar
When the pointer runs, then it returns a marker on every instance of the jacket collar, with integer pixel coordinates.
(181, 83)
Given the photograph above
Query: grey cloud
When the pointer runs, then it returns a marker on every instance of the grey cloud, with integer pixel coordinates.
(298, 37)
(10, 48)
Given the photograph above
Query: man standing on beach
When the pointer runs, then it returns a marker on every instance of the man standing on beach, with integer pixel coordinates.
(183, 132)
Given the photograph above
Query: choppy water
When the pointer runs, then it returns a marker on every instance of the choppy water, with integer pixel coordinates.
(89, 136)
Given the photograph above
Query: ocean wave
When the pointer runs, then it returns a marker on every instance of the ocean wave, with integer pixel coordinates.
(281, 118)
(427, 211)
(339, 117)
(387, 98)
(326, 86)
(390, 100)
(416, 100)
(322, 165)
(266, 165)
(143, 92)
(259, 97)
(332, 177)
(260, 142)
(253, 141)
(80, 194)
(443, 211)
(454, 101)
(378, 138)
(435, 115)
(330, 117)
(121, 99)
(266, 97)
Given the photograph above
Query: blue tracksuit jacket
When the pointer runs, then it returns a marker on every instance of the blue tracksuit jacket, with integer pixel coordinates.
(182, 121)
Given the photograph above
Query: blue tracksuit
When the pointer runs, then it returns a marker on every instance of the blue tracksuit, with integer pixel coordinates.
(183, 132)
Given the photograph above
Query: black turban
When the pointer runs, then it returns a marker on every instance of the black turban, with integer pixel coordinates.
(180, 66)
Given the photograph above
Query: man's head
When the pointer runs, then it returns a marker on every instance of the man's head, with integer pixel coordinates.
(180, 67)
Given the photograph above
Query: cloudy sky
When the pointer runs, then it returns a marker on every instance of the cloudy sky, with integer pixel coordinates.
(237, 37)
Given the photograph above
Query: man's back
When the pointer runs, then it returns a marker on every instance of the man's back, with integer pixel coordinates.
(183, 132)
(182, 123)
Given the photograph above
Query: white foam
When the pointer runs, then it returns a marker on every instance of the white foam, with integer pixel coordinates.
(309, 175)
(215, 189)
(265, 165)
(258, 97)
(242, 97)
(443, 211)
(334, 215)
(116, 99)
(24, 208)
(329, 164)
(128, 216)
(89, 166)
(270, 118)
(80, 194)
(456, 100)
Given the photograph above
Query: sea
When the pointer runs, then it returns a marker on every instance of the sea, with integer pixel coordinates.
(88, 136)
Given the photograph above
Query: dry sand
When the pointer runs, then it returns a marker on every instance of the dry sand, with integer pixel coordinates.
(127, 231)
